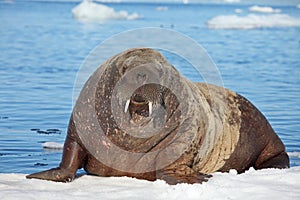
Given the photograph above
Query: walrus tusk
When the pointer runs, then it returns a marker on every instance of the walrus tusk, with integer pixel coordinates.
(126, 105)
(150, 107)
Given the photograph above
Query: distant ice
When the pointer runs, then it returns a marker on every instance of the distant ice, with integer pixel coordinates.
(262, 9)
(90, 11)
(161, 8)
(232, 1)
(272, 184)
(298, 6)
(107, 1)
(7, 1)
(52, 145)
(252, 21)
(238, 10)
(294, 154)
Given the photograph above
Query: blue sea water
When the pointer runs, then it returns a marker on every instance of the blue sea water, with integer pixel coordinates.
(42, 48)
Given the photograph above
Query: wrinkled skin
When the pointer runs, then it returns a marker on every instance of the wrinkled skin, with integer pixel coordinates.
(199, 128)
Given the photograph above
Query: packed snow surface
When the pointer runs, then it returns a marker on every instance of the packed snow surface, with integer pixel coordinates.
(262, 184)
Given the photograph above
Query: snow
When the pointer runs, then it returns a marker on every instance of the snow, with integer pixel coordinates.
(262, 184)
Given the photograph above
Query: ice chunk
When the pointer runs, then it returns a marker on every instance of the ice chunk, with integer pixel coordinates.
(264, 9)
(252, 21)
(52, 145)
(90, 11)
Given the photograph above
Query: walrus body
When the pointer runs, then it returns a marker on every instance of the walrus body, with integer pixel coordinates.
(171, 129)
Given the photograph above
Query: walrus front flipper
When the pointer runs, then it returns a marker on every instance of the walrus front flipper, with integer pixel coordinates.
(72, 159)
(55, 174)
(182, 174)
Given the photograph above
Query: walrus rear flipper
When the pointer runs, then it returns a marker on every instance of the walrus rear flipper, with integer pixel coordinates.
(274, 154)
(279, 161)
(182, 174)
(72, 159)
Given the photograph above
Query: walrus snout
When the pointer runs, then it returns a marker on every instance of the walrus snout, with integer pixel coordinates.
(150, 94)
(139, 106)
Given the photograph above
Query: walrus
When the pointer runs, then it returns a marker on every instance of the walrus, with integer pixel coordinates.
(137, 116)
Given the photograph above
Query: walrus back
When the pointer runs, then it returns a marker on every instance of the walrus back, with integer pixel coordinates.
(245, 139)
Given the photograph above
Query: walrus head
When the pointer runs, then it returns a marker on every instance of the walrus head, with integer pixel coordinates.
(143, 83)
(141, 90)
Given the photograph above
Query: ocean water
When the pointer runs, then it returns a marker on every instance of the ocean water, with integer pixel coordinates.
(43, 46)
